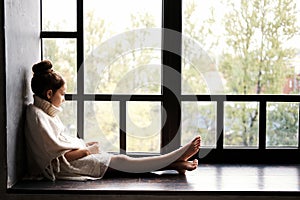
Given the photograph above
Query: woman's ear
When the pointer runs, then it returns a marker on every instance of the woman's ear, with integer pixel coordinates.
(49, 94)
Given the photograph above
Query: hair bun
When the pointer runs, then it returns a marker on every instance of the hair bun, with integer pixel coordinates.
(42, 67)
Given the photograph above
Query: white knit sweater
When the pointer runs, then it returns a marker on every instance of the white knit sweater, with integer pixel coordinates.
(46, 145)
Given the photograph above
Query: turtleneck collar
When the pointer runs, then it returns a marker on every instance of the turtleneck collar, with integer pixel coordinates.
(46, 106)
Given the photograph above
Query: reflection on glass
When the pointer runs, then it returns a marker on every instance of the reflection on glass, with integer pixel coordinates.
(251, 44)
(59, 15)
(126, 65)
(62, 53)
(282, 125)
(199, 118)
(69, 117)
(241, 124)
(143, 126)
(101, 123)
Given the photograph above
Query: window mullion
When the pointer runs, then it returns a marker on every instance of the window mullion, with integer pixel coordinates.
(171, 75)
(80, 69)
(299, 127)
(220, 125)
(123, 116)
(41, 27)
(55, 34)
(262, 125)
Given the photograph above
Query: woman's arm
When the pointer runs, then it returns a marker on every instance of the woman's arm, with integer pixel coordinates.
(76, 154)
(92, 148)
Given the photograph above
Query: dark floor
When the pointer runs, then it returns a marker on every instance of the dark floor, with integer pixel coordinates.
(250, 179)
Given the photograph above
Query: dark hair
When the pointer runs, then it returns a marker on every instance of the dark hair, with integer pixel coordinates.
(45, 78)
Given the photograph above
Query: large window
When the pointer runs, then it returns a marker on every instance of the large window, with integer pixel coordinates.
(145, 76)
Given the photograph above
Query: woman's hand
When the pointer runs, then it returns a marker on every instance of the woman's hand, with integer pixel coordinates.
(76, 154)
(91, 143)
(93, 147)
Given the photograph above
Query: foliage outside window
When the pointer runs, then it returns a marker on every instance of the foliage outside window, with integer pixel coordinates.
(254, 46)
(252, 43)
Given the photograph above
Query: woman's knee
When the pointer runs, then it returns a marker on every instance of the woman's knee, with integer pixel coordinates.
(119, 159)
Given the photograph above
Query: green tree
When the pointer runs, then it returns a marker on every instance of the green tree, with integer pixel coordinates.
(241, 129)
(199, 118)
(254, 58)
(201, 31)
(62, 54)
(106, 78)
(282, 126)
(256, 61)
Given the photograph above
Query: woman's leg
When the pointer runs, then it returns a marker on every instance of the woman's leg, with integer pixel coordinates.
(177, 160)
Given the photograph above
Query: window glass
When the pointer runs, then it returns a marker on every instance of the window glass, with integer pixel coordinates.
(199, 118)
(282, 125)
(62, 53)
(69, 117)
(251, 45)
(58, 15)
(143, 126)
(101, 123)
(117, 58)
(242, 47)
(241, 124)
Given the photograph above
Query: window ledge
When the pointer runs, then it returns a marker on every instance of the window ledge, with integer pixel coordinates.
(207, 179)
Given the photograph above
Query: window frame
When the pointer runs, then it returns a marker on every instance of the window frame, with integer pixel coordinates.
(172, 19)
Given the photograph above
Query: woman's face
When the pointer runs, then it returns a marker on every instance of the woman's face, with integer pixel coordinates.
(59, 96)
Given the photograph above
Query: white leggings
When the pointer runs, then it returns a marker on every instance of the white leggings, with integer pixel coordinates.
(128, 164)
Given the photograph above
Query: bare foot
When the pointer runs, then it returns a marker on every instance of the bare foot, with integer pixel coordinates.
(191, 149)
(182, 166)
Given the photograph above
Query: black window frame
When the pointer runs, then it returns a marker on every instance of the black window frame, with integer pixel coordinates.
(172, 19)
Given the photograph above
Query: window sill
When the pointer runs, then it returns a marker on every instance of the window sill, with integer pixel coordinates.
(282, 180)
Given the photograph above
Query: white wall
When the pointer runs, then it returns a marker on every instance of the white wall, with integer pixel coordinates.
(22, 49)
